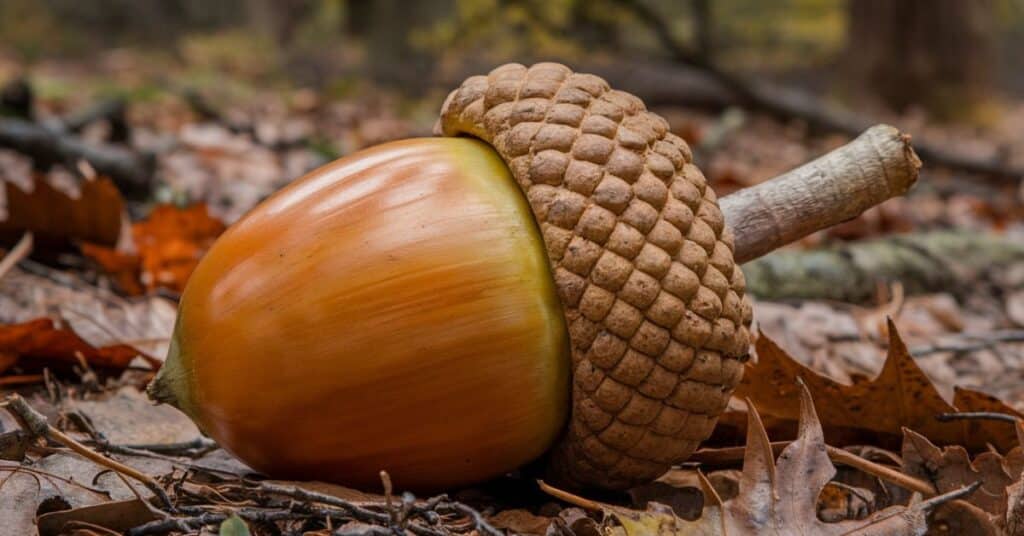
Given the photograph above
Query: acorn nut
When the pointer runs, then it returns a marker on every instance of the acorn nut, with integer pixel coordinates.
(561, 288)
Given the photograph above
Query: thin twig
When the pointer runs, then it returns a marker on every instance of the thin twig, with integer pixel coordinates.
(735, 455)
(883, 472)
(949, 496)
(970, 342)
(570, 498)
(20, 250)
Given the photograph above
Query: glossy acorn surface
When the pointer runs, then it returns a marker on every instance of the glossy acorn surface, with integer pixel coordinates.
(393, 310)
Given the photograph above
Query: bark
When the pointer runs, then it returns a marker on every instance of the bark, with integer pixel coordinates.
(836, 187)
(924, 262)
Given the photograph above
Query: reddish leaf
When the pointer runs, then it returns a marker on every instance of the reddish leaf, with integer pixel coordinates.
(169, 244)
(38, 343)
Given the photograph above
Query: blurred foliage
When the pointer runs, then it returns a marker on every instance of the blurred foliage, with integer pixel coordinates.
(345, 47)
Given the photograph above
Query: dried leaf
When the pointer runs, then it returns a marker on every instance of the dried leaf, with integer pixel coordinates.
(951, 468)
(171, 241)
(19, 496)
(38, 343)
(168, 245)
(118, 516)
(128, 417)
(1001, 432)
(1014, 525)
(867, 412)
(95, 213)
(686, 501)
(959, 517)
(520, 521)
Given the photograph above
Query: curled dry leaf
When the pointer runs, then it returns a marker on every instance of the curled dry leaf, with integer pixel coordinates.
(168, 245)
(38, 343)
(57, 217)
(867, 412)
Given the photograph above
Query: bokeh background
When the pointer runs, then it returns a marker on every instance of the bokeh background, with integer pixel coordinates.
(209, 107)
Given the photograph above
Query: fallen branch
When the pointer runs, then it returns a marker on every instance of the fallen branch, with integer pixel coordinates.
(839, 186)
(922, 262)
(130, 171)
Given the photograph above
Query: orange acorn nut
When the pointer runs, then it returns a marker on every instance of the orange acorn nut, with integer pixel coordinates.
(449, 310)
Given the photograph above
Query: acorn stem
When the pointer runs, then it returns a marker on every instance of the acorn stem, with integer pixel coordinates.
(840, 185)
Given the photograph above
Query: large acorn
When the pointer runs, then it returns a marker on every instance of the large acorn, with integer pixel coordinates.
(563, 287)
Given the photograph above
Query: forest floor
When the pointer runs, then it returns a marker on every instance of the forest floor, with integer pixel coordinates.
(100, 285)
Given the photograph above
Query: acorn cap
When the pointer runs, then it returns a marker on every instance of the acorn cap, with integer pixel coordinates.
(641, 258)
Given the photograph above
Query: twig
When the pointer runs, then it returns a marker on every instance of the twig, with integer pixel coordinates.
(20, 250)
(195, 447)
(990, 415)
(179, 524)
(949, 496)
(358, 512)
(570, 498)
(479, 523)
(977, 341)
(881, 471)
(735, 455)
(37, 424)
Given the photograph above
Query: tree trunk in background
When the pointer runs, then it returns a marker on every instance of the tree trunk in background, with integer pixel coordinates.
(935, 52)
(387, 28)
(704, 28)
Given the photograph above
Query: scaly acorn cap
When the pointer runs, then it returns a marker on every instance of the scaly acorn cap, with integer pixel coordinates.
(641, 258)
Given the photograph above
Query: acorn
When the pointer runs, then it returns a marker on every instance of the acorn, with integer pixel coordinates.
(554, 281)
